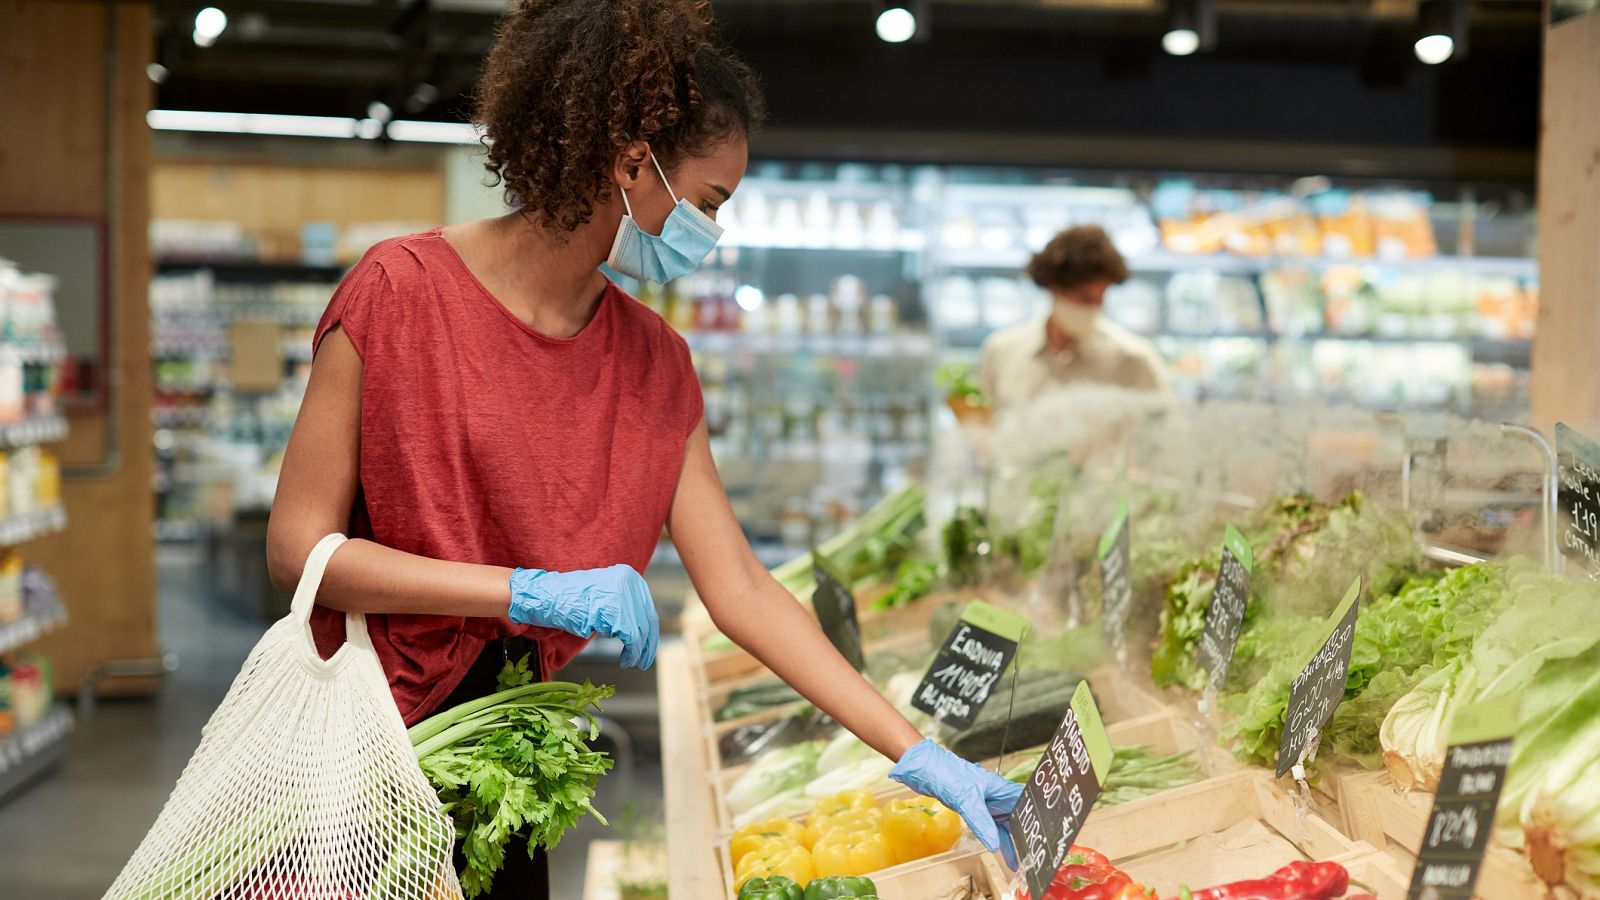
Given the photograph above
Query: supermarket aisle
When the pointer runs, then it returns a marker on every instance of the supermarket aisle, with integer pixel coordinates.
(68, 836)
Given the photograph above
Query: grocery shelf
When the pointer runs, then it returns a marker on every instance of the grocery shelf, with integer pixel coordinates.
(29, 753)
(33, 624)
(902, 344)
(295, 350)
(33, 430)
(22, 528)
(177, 530)
(33, 351)
(252, 270)
(1500, 349)
(271, 312)
(1157, 262)
(903, 242)
(198, 416)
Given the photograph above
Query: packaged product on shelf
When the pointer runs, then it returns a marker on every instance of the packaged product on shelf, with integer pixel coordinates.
(48, 486)
(11, 596)
(24, 691)
(22, 473)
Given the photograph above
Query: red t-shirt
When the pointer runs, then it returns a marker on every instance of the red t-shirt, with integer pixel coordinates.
(485, 441)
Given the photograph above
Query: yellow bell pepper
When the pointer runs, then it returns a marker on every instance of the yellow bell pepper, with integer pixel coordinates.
(851, 853)
(918, 827)
(858, 809)
(774, 856)
(757, 833)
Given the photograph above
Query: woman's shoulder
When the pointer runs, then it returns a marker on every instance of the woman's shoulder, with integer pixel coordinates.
(639, 322)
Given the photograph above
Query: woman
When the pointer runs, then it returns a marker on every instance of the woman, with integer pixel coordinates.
(504, 433)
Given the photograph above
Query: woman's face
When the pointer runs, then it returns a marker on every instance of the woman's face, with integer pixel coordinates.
(706, 181)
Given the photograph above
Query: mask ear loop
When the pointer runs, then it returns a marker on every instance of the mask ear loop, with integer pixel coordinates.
(663, 175)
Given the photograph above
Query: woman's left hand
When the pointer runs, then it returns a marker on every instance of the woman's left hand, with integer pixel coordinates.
(981, 797)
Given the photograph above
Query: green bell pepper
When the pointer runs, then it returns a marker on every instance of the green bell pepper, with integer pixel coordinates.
(773, 887)
(834, 886)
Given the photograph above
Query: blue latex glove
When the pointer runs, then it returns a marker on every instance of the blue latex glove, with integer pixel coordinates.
(614, 602)
(981, 797)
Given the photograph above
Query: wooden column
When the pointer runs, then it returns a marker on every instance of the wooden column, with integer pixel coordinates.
(56, 159)
(1566, 351)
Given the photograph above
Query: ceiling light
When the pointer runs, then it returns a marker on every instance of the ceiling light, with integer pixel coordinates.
(749, 297)
(433, 132)
(1180, 41)
(157, 73)
(379, 110)
(310, 126)
(1434, 49)
(1191, 26)
(896, 25)
(250, 123)
(1441, 30)
(209, 24)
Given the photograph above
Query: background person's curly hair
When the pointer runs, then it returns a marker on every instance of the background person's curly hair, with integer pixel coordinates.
(569, 83)
(1076, 257)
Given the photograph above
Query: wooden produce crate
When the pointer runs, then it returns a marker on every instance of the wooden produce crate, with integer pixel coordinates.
(1225, 829)
(693, 867)
(920, 879)
(1379, 812)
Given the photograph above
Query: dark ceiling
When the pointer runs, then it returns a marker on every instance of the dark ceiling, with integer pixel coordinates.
(1328, 83)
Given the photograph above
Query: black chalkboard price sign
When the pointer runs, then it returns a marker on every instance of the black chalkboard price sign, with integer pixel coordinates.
(1578, 496)
(836, 612)
(1315, 693)
(1228, 601)
(1116, 582)
(1463, 810)
(969, 663)
(1057, 799)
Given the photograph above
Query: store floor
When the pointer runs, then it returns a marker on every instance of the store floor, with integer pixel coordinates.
(66, 837)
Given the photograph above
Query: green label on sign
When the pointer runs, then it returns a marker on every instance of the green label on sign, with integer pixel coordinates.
(1239, 547)
(1490, 720)
(1094, 731)
(1110, 536)
(993, 619)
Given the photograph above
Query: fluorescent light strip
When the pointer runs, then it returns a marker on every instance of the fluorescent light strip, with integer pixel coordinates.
(433, 132)
(305, 126)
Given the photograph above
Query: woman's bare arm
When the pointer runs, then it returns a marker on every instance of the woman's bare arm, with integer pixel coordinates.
(752, 609)
(316, 488)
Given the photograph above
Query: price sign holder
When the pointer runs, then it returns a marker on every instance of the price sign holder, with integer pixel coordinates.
(836, 612)
(1578, 499)
(1116, 584)
(1315, 693)
(969, 663)
(1057, 799)
(1462, 820)
(1223, 620)
(1228, 603)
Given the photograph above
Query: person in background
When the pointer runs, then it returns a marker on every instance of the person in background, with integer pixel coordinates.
(503, 432)
(1075, 343)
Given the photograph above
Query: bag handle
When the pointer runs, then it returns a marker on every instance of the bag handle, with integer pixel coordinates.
(305, 594)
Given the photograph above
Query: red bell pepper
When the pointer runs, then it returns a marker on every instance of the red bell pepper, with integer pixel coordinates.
(1086, 874)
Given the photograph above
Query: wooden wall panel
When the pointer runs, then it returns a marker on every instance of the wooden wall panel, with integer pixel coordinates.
(53, 161)
(266, 197)
(1566, 351)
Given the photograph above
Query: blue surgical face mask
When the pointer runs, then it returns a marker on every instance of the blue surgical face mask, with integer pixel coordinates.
(687, 238)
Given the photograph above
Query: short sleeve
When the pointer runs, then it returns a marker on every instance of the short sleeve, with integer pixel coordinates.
(694, 402)
(363, 289)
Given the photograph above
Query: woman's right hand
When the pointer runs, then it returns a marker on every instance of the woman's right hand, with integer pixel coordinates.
(614, 602)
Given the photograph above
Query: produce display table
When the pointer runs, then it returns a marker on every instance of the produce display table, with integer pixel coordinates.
(1235, 822)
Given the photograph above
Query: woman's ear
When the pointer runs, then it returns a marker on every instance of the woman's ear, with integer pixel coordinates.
(630, 163)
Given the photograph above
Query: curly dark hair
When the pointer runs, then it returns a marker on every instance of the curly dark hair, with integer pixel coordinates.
(569, 83)
(1076, 257)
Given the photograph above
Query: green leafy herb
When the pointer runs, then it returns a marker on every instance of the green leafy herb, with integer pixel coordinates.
(514, 762)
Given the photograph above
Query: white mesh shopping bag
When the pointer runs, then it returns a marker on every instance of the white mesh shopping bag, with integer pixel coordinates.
(304, 786)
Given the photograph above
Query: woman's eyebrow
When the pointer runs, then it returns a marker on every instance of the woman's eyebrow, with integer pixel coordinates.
(719, 189)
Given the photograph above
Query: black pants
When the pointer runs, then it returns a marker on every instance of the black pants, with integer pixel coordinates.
(521, 878)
